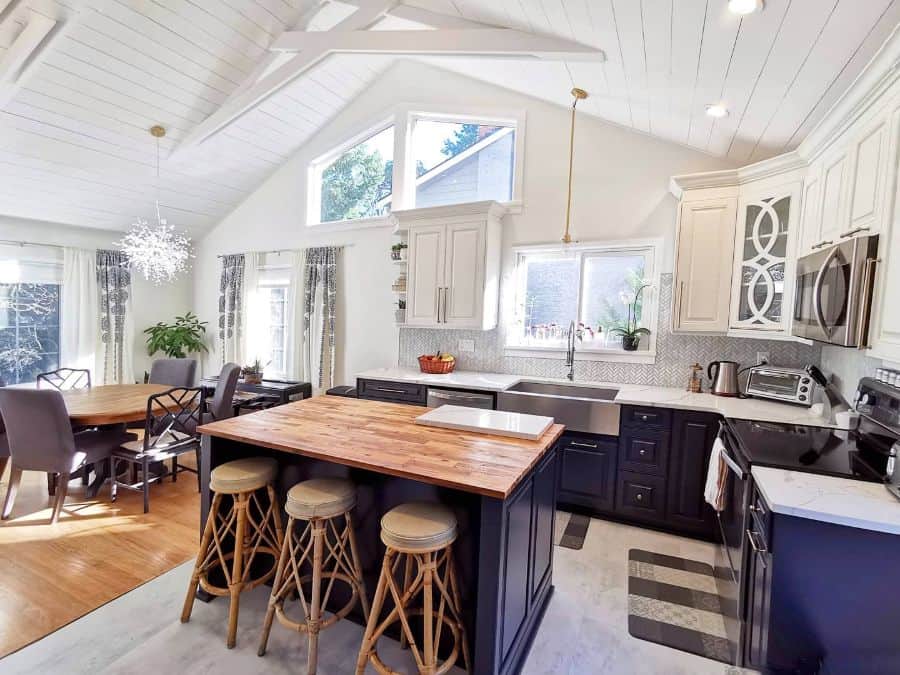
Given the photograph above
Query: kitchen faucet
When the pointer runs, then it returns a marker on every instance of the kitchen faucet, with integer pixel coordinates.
(570, 353)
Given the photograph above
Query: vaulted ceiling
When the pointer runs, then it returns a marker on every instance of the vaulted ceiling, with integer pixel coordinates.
(74, 145)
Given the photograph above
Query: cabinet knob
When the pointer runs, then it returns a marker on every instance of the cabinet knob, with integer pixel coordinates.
(639, 497)
(642, 452)
(644, 418)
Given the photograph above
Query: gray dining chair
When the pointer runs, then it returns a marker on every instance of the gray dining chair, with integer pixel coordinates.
(41, 439)
(221, 406)
(173, 372)
(4, 448)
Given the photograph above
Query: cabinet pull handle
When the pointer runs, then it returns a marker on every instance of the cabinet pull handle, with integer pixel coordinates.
(678, 302)
(438, 301)
(865, 306)
(754, 544)
(826, 242)
(390, 391)
(855, 230)
(578, 444)
(446, 301)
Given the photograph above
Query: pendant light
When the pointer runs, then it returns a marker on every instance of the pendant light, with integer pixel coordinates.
(578, 94)
(158, 252)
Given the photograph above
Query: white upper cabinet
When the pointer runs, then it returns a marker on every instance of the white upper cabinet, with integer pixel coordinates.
(871, 164)
(884, 331)
(454, 265)
(762, 292)
(703, 264)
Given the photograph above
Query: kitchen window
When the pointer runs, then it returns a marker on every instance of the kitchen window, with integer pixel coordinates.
(353, 182)
(604, 288)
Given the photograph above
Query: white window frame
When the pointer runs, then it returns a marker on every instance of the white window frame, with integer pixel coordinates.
(403, 118)
(287, 328)
(583, 250)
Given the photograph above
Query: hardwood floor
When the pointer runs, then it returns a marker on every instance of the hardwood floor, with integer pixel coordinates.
(53, 574)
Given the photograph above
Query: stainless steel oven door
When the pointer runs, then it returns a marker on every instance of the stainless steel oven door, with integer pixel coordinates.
(731, 558)
(833, 293)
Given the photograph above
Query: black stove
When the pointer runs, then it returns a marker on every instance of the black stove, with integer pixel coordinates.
(862, 454)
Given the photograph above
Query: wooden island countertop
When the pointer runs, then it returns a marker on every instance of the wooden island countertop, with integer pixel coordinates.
(383, 437)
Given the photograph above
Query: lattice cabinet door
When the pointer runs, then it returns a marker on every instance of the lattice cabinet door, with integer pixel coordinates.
(762, 290)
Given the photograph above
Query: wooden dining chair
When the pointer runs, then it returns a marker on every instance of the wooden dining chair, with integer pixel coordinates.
(65, 379)
(170, 430)
(41, 439)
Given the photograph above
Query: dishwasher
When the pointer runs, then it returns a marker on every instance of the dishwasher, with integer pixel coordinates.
(468, 399)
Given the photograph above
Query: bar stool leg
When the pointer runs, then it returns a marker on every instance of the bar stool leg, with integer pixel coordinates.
(237, 570)
(357, 567)
(375, 611)
(428, 616)
(201, 556)
(407, 579)
(453, 582)
(313, 621)
(273, 600)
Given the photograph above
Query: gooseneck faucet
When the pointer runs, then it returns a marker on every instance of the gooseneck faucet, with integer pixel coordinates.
(570, 353)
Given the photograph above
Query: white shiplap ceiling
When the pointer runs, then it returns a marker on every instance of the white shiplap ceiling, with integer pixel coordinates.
(74, 146)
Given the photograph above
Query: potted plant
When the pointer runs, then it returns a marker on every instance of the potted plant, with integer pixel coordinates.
(177, 340)
(400, 312)
(253, 373)
(631, 333)
(403, 248)
(398, 251)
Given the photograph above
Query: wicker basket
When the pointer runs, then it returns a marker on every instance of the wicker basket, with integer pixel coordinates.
(426, 365)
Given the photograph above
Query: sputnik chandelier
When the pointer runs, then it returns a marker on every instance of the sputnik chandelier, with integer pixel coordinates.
(157, 251)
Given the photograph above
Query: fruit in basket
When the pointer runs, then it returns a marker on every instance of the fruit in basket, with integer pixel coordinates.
(447, 357)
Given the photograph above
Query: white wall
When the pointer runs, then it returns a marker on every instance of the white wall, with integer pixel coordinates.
(150, 303)
(620, 191)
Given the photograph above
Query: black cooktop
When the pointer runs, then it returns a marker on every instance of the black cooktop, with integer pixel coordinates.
(862, 454)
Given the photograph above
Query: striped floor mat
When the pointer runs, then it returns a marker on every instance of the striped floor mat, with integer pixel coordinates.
(673, 602)
(571, 529)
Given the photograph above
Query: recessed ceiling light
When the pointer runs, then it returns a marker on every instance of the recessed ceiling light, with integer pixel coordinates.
(745, 6)
(716, 110)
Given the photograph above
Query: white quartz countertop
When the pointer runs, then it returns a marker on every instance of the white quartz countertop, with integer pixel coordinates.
(841, 501)
(629, 394)
(499, 423)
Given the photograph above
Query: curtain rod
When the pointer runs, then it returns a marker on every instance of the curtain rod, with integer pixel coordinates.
(284, 250)
(10, 242)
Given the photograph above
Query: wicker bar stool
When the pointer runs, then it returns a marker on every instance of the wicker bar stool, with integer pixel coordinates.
(319, 552)
(420, 534)
(256, 530)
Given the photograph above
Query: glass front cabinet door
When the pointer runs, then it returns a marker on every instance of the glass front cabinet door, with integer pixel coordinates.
(762, 290)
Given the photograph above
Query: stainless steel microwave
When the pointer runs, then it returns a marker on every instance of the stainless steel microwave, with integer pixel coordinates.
(833, 297)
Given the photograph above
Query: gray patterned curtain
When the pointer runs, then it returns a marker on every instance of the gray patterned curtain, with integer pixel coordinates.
(319, 306)
(231, 300)
(114, 282)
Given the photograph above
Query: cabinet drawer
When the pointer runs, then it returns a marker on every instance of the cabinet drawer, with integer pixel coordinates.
(633, 416)
(644, 452)
(398, 392)
(641, 496)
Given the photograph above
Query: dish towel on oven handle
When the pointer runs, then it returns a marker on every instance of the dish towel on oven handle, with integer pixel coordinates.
(716, 477)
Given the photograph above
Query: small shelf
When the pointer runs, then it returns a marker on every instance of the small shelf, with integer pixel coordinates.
(399, 262)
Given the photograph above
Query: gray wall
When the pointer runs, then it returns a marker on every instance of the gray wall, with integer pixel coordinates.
(482, 176)
(674, 353)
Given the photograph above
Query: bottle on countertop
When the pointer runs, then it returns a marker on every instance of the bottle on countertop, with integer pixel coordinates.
(695, 384)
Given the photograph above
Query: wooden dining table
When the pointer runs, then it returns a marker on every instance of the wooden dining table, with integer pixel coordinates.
(110, 403)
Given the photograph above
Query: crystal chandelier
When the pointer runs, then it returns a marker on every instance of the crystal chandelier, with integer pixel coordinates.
(157, 251)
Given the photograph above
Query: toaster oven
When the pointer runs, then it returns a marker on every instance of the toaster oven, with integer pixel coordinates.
(788, 385)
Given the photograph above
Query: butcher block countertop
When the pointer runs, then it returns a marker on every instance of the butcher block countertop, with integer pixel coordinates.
(383, 437)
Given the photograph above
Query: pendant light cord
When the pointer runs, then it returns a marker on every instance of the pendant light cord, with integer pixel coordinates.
(158, 217)
(578, 94)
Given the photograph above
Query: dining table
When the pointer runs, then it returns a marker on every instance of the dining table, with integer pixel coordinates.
(108, 404)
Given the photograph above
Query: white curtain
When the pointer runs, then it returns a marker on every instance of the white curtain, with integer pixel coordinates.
(297, 357)
(80, 323)
(253, 338)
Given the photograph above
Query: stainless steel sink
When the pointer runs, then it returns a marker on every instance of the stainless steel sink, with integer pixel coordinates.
(565, 390)
(588, 409)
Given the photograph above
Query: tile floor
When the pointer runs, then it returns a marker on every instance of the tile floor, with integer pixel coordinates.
(583, 631)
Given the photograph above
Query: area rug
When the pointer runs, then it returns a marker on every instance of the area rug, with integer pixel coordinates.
(673, 602)
(572, 532)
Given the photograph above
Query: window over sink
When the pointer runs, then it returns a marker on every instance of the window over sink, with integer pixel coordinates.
(606, 288)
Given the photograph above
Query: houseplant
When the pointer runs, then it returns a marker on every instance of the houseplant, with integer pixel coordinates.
(177, 340)
(631, 333)
(252, 373)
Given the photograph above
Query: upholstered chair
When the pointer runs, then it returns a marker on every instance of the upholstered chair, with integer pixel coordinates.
(174, 372)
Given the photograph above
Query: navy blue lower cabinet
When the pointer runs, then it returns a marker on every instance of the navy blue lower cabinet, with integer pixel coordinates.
(821, 598)
(587, 471)
(693, 435)
(515, 570)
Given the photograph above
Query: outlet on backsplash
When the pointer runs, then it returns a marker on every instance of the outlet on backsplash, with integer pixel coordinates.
(466, 346)
(762, 358)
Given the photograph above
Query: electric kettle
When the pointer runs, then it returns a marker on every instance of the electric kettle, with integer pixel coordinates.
(723, 377)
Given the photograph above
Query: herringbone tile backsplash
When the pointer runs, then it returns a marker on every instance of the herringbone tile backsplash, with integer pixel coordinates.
(674, 353)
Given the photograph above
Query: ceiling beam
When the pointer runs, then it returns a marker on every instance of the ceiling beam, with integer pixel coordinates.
(248, 97)
(456, 42)
(21, 54)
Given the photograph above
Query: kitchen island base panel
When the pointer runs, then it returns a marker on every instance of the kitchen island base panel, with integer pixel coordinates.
(504, 551)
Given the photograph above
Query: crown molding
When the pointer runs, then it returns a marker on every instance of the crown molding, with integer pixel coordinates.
(776, 166)
(490, 209)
